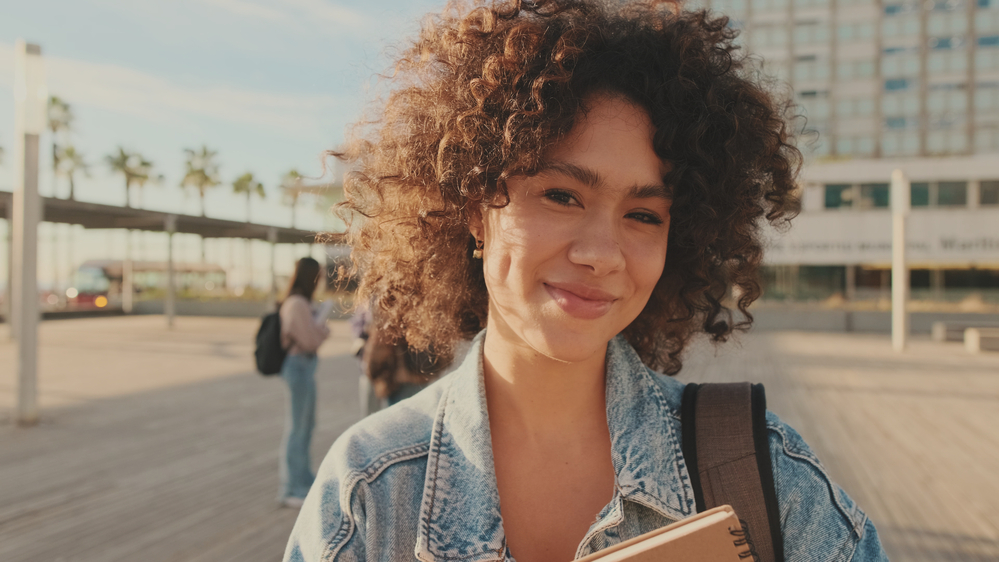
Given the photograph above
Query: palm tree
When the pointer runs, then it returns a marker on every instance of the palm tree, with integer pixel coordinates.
(248, 185)
(140, 182)
(133, 166)
(290, 187)
(69, 162)
(202, 172)
(60, 118)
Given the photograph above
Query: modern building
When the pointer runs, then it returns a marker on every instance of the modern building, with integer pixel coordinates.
(880, 85)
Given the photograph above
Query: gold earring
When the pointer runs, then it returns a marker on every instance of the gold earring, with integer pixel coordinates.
(477, 252)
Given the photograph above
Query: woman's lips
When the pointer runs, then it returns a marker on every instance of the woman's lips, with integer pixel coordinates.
(570, 298)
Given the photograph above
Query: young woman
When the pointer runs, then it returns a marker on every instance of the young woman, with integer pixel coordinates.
(301, 336)
(579, 189)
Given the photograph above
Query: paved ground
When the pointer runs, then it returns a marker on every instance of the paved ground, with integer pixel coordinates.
(160, 445)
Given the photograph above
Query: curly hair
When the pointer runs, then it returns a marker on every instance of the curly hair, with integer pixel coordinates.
(486, 90)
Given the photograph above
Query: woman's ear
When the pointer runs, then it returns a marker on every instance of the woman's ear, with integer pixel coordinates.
(475, 223)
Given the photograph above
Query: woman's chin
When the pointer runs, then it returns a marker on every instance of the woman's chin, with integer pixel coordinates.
(569, 347)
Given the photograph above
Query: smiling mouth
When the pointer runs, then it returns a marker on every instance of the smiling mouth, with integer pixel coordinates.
(594, 305)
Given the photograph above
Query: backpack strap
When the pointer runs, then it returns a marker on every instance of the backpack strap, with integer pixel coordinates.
(727, 454)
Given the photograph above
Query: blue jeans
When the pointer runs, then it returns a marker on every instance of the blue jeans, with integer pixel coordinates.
(295, 470)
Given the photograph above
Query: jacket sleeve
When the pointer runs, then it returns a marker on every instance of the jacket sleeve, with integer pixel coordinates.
(819, 521)
(331, 525)
(298, 328)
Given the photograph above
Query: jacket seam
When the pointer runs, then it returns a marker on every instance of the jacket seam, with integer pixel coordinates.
(369, 474)
(814, 462)
(679, 464)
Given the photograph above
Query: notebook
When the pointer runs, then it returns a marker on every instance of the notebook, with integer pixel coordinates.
(713, 536)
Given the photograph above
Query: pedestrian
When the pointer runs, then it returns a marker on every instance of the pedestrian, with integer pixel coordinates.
(578, 186)
(301, 335)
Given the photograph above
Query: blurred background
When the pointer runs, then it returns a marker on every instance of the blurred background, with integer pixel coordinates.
(188, 136)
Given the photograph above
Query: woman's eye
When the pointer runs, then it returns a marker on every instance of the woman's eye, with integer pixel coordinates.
(559, 196)
(647, 218)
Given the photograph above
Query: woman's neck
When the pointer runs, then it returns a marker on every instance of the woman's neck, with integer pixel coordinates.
(538, 396)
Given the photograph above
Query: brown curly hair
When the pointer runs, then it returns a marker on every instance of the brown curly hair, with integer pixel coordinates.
(486, 90)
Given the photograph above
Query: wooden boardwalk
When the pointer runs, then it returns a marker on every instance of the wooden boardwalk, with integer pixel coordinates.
(161, 445)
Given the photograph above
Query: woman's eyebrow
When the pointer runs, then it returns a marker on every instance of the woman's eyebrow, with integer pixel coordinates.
(593, 179)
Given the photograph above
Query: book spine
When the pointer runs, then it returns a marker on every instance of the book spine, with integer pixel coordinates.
(743, 540)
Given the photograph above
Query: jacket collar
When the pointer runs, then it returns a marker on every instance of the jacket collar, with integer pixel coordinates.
(460, 514)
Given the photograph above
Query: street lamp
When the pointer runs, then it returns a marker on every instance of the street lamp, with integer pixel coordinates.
(30, 97)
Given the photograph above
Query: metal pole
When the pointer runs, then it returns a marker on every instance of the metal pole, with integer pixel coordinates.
(29, 101)
(126, 275)
(9, 290)
(272, 295)
(168, 305)
(900, 201)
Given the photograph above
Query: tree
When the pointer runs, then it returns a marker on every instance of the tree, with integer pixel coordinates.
(246, 184)
(202, 172)
(133, 166)
(69, 163)
(60, 118)
(291, 188)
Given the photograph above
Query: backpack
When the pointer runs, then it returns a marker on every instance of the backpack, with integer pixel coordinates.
(725, 446)
(269, 353)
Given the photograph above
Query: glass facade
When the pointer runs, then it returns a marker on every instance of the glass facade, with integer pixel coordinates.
(894, 78)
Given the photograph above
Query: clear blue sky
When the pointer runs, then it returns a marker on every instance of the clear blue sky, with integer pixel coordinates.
(269, 84)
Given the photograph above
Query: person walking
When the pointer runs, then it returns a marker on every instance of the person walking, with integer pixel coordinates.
(301, 336)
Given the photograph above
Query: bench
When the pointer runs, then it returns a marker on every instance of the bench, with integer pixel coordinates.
(954, 331)
(977, 340)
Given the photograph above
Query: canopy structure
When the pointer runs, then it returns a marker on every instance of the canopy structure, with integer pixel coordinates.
(96, 215)
(100, 216)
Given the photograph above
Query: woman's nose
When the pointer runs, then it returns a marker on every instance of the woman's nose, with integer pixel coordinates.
(597, 245)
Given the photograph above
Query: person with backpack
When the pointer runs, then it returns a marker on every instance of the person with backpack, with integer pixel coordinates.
(578, 187)
(301, 335)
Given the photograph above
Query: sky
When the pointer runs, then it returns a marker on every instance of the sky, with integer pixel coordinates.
(268, 84)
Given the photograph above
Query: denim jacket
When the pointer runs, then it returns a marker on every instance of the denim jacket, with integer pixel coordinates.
(416, 481)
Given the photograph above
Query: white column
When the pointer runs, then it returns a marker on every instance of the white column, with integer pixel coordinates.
(272, 295)
(171, 293)
(29, 103)
(900, 201)
(127, 289)
(9, 290)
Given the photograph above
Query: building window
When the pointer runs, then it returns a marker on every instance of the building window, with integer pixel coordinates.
(769, 5)
(729, 6)
(947, 61)
(899, 144)
(873, 195)
(900, 104)
(812, 32)
(952, 194)
(855, 31)
(987, 59)
(899, 84)
(919, 193)
(989, 193)
(902, 26)
(839, 196)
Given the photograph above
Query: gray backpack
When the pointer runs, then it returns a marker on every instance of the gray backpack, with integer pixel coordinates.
(725, 446)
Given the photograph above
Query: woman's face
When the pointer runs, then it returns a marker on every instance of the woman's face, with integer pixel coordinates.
(574, 257)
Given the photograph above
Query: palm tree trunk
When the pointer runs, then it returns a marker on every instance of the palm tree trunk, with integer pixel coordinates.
(248, 206)
(202, 193)
(128, 193)
(72, 187)
(293, 205)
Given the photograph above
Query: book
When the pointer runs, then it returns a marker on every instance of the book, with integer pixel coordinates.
(321, 315)
(715, 535)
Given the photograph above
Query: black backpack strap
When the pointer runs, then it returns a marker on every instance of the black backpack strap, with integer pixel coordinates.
(727, 454)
